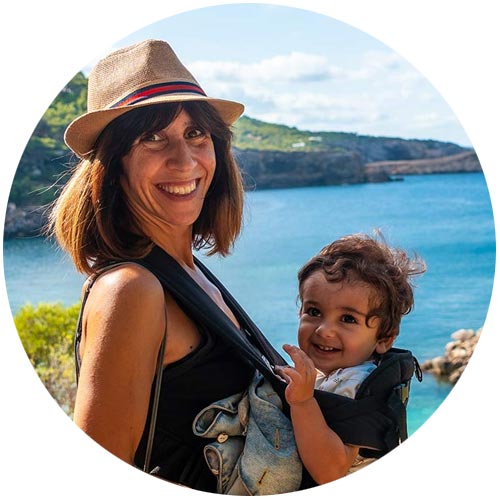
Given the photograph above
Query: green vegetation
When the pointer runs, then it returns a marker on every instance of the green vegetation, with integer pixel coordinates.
(46, 156)
(47, 333)
(255, 134)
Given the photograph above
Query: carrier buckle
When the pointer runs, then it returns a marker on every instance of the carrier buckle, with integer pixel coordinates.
(403, 391)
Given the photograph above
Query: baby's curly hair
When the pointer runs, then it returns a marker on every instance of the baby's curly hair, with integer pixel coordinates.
(388, 271)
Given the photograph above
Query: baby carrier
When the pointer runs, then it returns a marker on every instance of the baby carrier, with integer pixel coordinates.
(375, 420)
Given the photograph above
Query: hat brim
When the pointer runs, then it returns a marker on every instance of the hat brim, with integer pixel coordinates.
(82, 133)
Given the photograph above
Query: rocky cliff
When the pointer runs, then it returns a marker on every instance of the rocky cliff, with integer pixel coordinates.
(24, 221)
(375, 149)
(277, 169)
(462, 162)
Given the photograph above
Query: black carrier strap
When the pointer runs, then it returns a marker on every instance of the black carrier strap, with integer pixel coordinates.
(367, 421)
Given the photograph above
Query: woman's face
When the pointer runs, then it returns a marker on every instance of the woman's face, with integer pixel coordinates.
(166, 175)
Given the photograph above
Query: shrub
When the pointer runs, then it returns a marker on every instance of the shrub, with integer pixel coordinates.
(47, 333)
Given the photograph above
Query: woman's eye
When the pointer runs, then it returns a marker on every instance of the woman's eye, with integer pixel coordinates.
(196, 132)
(313, 311)
(348, 318)
(154, 141)
(152, 138)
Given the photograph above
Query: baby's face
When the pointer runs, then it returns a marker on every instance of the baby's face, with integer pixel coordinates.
(333, 330)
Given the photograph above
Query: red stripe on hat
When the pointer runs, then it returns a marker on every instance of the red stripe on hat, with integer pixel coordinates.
(156, 90)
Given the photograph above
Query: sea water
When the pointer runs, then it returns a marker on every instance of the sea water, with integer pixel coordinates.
(447, 219)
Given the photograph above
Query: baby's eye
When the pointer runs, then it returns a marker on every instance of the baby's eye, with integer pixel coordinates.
(348, 318)
(313, 311)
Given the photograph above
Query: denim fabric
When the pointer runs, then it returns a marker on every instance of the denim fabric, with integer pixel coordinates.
(223, 460)
(229, 415)
(254, 452)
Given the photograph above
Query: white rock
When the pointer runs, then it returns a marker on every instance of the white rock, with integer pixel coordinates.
(463, 334)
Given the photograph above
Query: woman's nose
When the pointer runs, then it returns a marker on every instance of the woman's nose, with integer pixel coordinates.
(179, 155)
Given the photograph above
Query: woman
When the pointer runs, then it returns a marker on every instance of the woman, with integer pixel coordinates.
(156, 174)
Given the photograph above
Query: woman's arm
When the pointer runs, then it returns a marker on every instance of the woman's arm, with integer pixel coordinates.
(321, 450)
(123, 327)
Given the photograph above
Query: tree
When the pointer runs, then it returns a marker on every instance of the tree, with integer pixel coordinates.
(47, 333)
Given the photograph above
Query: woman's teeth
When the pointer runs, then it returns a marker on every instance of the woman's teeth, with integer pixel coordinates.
(179, 190)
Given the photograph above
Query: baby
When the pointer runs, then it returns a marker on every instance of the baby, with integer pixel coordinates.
(353, 295)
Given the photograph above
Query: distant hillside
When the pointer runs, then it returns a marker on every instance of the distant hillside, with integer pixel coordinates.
(276, 156)
(255, 134)
(270, 155)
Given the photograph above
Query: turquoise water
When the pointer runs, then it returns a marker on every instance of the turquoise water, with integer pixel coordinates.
(447, 219)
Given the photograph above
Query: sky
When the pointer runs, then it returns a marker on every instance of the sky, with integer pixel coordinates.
(302, 69)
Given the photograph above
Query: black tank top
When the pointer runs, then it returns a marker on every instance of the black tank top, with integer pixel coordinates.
(211, 372)
(208, 374)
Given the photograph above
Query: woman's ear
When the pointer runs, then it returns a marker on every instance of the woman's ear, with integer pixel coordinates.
(383, 345)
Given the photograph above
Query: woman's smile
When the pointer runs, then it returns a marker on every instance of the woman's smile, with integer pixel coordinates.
(179, 189)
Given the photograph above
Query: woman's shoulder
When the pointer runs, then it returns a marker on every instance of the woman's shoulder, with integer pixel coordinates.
(127, 288)
(125, 298)
(125, 278)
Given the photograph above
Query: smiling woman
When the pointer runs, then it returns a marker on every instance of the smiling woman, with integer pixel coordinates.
(156, 176)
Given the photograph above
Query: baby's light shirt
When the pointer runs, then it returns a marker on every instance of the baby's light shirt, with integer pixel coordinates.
(344, 381)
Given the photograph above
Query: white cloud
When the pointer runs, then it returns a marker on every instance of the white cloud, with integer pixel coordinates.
(378, 60)
(293, 67)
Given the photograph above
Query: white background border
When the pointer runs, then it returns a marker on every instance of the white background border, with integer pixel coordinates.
(454, 44)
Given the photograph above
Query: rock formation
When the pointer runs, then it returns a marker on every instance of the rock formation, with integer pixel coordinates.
(278, 169)
(461, 162)
(452, 364)
(24, 221)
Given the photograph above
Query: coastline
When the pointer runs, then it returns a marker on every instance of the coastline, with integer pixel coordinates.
(30, 220)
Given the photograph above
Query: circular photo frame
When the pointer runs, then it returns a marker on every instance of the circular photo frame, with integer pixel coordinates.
(340, 135)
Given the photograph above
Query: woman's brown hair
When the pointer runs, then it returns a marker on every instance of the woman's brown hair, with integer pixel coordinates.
(91, 220)
(388, 271)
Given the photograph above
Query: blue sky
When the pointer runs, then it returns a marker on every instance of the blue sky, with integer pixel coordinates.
(307, 70)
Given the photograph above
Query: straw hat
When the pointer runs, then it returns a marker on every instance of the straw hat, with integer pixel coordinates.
(146, 73)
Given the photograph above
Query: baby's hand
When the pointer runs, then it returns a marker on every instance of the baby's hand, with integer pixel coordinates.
(301, 378)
